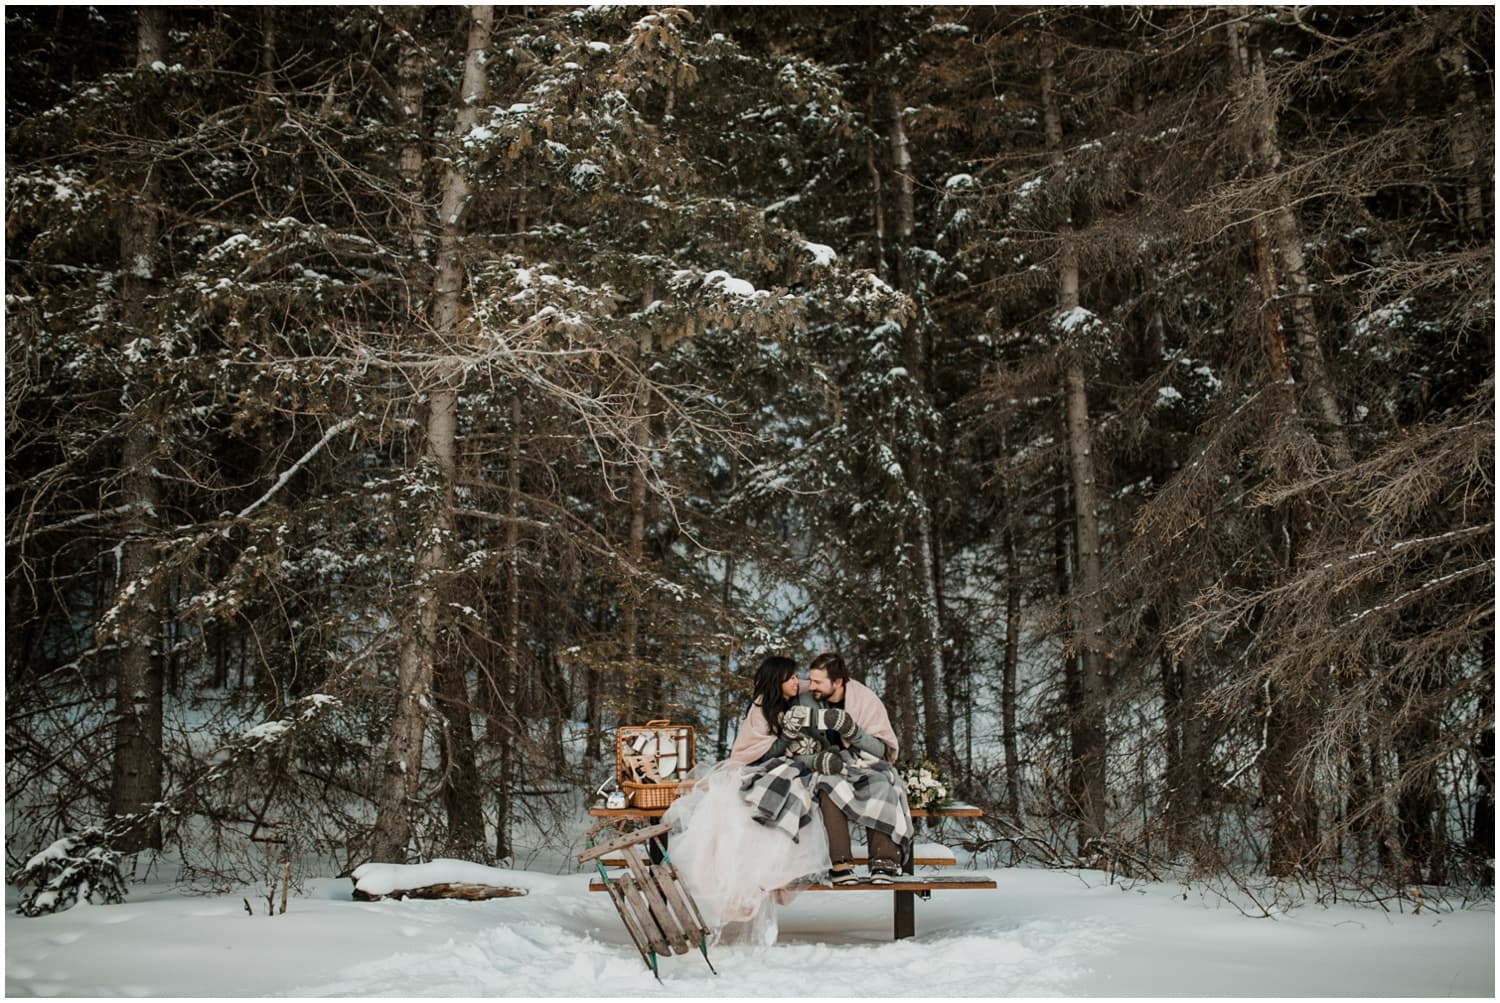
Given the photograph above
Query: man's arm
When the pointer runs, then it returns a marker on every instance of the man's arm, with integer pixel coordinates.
(856, 737)
(865, 742)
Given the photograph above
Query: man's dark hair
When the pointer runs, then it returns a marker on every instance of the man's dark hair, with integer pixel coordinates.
(831, 663)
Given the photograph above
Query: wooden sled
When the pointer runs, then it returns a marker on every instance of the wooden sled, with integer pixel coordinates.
(658, 911)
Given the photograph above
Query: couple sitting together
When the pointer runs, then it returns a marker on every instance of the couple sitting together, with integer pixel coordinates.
(811, 758)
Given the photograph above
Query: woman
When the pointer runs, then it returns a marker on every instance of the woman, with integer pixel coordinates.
(733, 853)
(775, 691)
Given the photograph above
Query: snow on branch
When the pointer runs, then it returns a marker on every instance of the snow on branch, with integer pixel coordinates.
(287, 474)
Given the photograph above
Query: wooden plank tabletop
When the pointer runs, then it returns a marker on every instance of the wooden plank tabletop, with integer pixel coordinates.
(857, 862)
(906, 883)
(902, 883)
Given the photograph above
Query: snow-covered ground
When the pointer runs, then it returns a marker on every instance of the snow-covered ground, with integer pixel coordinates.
(1042, 933)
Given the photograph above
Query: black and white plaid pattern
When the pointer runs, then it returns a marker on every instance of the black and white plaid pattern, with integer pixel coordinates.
(870, 793)
(779, 793)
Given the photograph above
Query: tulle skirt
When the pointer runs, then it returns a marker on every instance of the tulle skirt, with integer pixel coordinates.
(731, 863)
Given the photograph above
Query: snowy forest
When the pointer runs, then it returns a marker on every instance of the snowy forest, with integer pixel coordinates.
(398, 399)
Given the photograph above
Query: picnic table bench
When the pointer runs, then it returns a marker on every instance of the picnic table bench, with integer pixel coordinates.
(905, 889)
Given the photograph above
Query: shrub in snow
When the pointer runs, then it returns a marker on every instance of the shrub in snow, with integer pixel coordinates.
(76, 865)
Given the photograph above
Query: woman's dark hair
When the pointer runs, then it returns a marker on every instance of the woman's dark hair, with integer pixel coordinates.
(768, 679)
(831, 663)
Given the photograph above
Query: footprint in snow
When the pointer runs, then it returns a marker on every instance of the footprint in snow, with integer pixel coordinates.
(63, 939)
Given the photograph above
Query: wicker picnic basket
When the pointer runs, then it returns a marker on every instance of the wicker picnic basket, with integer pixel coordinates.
(652, 761)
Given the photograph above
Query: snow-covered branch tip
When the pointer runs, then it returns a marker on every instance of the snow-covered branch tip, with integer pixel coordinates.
(287, 474)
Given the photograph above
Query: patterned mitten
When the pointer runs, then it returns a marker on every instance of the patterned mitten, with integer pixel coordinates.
(803, 745)
(840, 721)
(830, 763)
(794, 721)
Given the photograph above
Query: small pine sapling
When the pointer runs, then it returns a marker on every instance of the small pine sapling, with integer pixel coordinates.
(77, 865)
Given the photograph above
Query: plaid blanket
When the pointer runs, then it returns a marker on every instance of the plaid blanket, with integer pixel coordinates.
(870, 793)
(779, 793)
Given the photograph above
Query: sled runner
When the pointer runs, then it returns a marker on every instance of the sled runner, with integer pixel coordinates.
(658, 911)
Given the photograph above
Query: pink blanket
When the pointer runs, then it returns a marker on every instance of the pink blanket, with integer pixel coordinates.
(870, 714)
(756, 736)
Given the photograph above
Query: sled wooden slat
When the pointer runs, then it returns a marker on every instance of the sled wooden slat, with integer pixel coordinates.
(630, 839)
(642, 910)
(660, 912)
(632, 926)
(682, 917)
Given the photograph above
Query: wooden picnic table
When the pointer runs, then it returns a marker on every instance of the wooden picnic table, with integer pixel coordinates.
(905, 889)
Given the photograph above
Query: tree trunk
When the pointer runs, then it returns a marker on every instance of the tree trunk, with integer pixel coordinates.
(899, 696)
(1072, 665)
(1284, 274)
(1419, 802)
(1284, 786)
(410, 77)
(936, 735)
(463, 797)
(136, 774)
(504, 796)
(1184, 753)
(511, 674)
(929, 660)
(403, 755)
(877, 197)
(905, 202)
(1482, 831)
(634, 683)
(593, 713)
(1011, 657)
(1088, 607)
(1465, 144)
(1294, 711)
(1359, 798)
(1008, 674)
(726, 681)
(264, 108)
(1088, 577)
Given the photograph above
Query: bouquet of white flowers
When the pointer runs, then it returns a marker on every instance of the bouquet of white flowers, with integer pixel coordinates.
(926, 786)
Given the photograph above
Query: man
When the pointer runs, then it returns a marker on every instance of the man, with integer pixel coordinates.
(858, 778)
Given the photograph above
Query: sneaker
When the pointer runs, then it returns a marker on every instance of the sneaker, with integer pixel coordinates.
(883, 872)
(843, 874)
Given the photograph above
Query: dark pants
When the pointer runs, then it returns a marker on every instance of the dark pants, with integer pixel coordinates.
(882, 847)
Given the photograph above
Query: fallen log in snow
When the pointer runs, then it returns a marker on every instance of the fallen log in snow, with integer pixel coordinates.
(442, 890)
(437, 879)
